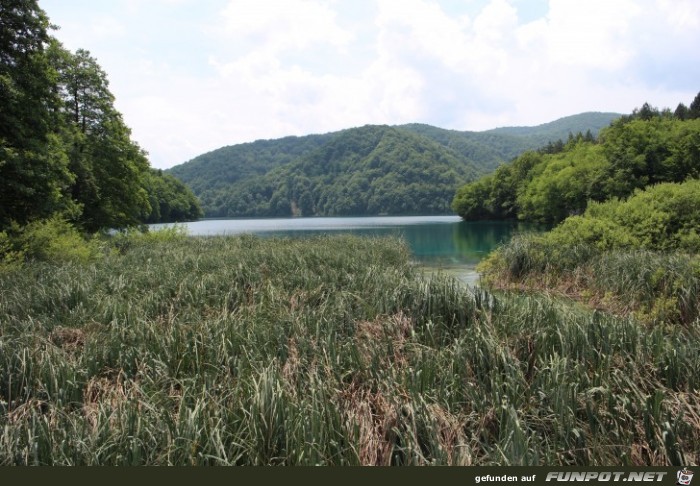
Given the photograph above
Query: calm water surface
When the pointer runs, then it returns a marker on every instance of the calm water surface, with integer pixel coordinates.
(444, 243)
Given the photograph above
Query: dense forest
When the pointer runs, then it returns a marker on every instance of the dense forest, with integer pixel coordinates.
(367, 170)
(66, 153)
(489, 149)
(249, 179)
(219, 169)
(648, 147)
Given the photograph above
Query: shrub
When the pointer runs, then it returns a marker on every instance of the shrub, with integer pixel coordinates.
(664, 217)
(52, 240)
(598, 232)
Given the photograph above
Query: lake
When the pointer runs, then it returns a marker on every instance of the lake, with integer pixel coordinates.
(438, 243)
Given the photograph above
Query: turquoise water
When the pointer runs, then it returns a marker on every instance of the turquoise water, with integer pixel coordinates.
(444, 243)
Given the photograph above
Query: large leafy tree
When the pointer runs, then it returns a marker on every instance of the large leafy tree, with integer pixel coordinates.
(34, 171)
(110, 168)
(64, 148)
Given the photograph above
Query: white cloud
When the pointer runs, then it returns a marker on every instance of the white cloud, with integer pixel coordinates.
(591, 34)
(105, 28)
(681, 14)
(283, 24)
(419, 27)
(193, 76)
(495, 23)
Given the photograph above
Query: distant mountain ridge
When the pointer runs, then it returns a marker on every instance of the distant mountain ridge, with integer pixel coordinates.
(370, 170)
(559, 129)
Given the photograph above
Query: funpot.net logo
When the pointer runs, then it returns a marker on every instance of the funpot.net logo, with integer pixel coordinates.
(604, 476)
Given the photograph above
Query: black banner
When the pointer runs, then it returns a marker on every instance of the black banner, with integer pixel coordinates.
(362, 476)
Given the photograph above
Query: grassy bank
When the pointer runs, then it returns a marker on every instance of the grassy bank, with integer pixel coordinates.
(324, 351)
(657, 288)
(639, 256)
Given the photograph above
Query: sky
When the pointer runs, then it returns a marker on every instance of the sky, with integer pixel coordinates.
(190, 76)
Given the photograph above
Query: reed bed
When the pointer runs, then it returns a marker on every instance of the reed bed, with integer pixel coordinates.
(659, 288)
(325, 351)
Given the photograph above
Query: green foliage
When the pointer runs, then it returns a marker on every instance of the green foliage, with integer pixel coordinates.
(694, 109)
(639, 255)
(110, 168)
(485, 150)
(50, 240)
(585, 123)
(10, 256)
(647, 147)
(368, 170)
(56, 240)
(562, 186)
(682, 112)
(65, 151)
(497, 196)
(221, 168)
(600, 233)
(249, 179)
(170, 200)
(664, 217)
(33, 169)
(34, 181)
(473, 201)
(127, 239)
(648, 151)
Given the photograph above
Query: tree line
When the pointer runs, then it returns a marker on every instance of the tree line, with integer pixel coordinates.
(65, 151)
(647, 147)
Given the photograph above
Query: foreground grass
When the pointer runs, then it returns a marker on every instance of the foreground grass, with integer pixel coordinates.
(325, 351)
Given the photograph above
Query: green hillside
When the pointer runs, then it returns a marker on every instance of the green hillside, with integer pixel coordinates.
(540, 135)
(485, 150)
(489, 149)
(331, 174)
(225, 166)
(360, 171)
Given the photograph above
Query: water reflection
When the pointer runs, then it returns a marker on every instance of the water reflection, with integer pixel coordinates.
(457, 248)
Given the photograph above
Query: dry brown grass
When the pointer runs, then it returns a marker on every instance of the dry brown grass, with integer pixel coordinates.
(451, 437)
(108, 394)
(385, 333)
(68, 338)
(371, 417)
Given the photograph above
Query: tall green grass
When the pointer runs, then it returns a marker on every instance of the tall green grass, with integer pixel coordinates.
(331, 351)
(657, 287)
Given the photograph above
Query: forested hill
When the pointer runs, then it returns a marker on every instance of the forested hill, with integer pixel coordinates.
(488, 149)
(223, 167)
(648, 147)
(359, 171)
(371, 170)
(541, 135)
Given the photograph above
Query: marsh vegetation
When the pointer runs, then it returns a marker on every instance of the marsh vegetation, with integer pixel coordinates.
(335, 351)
